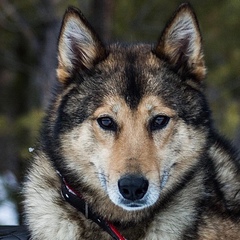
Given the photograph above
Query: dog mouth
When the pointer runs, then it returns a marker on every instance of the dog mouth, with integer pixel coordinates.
(134, 192)
(133, 205)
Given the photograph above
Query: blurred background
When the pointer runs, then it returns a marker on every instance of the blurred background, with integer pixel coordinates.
(28, 59)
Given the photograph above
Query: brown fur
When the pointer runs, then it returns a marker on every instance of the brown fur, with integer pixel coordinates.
(169, 48)
(192, 174)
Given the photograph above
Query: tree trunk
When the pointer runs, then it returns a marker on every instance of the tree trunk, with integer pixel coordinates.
(101, 17)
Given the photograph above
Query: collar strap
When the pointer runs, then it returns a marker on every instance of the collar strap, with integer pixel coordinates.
(78, 202)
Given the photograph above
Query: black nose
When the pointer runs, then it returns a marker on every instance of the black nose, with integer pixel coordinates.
(133, 187)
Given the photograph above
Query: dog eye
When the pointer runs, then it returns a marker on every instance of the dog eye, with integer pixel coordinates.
(159, 122)
(107, 123)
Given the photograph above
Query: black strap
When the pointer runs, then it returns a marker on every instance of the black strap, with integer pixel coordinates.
(76, 201)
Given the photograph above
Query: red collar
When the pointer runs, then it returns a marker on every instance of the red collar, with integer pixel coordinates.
(76, 200)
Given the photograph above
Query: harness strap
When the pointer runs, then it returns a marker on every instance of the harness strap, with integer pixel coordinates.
(78, 202)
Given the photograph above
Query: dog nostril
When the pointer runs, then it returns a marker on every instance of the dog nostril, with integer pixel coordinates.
(125, 191)
(133, 187)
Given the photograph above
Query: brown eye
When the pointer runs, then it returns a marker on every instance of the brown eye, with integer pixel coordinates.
(107, 123)
(159, 122)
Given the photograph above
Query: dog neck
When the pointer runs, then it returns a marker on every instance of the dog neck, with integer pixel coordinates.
(77, 201)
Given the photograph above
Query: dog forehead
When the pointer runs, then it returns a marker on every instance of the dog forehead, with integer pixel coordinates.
(148, 106)
(123, 55)
(131, 71)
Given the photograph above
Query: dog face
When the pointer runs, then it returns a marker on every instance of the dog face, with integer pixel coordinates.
(130, 122)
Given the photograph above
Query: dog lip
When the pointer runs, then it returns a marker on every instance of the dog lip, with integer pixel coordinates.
(134, 204)
(148, 199)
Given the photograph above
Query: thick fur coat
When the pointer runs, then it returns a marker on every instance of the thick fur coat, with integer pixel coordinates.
(130, 130)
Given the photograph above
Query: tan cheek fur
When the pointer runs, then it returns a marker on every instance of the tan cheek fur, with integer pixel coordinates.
(133, 149)
(84, 154)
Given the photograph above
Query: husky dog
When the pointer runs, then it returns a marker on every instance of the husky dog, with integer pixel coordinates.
(127, 148)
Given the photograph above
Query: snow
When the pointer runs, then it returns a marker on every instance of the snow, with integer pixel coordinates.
(8, 213)
(8, 209)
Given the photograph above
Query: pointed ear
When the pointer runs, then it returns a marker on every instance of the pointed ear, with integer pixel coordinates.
(79, 48)
(180, 44)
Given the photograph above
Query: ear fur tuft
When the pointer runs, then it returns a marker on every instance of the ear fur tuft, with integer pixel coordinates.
(79, 47)
(180, 44)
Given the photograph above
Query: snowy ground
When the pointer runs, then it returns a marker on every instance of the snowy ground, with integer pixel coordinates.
(8, 209)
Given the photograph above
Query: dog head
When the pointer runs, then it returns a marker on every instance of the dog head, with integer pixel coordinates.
(131, 121)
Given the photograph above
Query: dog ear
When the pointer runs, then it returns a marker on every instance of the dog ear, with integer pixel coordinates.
(180, 44)
(79, 47)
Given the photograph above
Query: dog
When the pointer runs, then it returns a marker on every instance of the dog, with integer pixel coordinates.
(128, 149)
